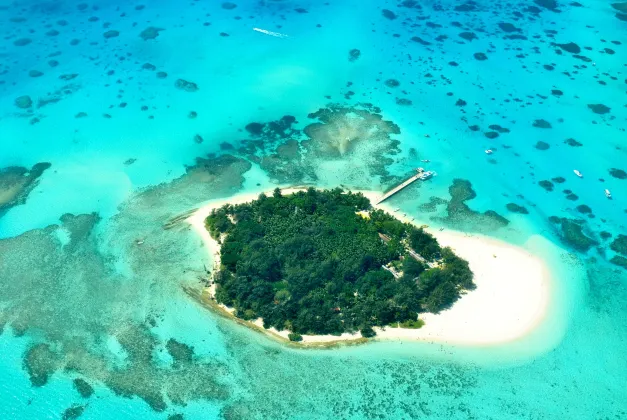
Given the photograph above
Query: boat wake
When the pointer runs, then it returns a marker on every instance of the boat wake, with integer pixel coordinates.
(275, 34)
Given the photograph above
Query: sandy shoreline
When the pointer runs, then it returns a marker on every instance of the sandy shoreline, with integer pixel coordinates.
(510, 301)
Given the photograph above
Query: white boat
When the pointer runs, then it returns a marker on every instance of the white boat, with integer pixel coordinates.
(578, 173)
(608, 194)
(426, 175)
(489, 152)
(425, 160)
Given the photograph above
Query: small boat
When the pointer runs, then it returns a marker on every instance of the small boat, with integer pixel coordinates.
(425, 160)
(397, 209)
(578, 173)
(489, 152)
(608, 194)
(426, 175)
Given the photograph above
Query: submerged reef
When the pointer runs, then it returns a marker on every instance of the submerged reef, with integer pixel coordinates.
(462, 217)
(515, 208)
(341, 134)
(77, 299)
(571, 231)
(620, 244)
(16, 183)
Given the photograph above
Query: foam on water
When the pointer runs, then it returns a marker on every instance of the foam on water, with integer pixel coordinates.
(98, 294)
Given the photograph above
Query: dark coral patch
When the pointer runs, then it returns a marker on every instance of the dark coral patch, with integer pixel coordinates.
(185, 85)
(496, 127)
(468, 36)
(73, 412)
(541, 145)
(573, 143)
(546, 184)
(16, 183)
(480, 56)
(83, 387)
(420, 40)
(388, 14)
(508, 27)
(621, 7)
(571, 232)
(22, 42)
(354, 54)
(620, 244)
(23, 102)
(618, 173)
(40, 362)
(515, 208)
(617, 259)
(541, 124)
(582, 208)
(460, 215)
(599, 108)
(570, 47)
(548, 4)
(150, 33)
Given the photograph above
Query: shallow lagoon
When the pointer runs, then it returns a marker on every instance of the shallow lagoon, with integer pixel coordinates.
(84, 287)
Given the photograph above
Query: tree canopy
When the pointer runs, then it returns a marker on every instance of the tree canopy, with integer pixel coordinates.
(311, 264)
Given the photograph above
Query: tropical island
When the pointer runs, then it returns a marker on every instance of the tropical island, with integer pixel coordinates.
(325, 262)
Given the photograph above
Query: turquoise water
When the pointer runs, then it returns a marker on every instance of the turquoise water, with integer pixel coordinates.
(79, 298)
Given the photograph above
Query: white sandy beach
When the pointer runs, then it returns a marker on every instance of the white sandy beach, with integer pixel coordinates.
(511, 298)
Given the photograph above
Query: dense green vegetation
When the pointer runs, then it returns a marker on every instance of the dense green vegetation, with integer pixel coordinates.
(310, 264)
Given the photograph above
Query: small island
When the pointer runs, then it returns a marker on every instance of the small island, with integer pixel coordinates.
(325, 262)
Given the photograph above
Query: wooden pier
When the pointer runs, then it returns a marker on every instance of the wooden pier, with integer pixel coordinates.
(399, 187)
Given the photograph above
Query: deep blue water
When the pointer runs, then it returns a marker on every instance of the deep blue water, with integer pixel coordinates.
(123, 98)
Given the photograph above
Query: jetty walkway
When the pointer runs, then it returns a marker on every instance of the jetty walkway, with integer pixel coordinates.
(420, 175)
